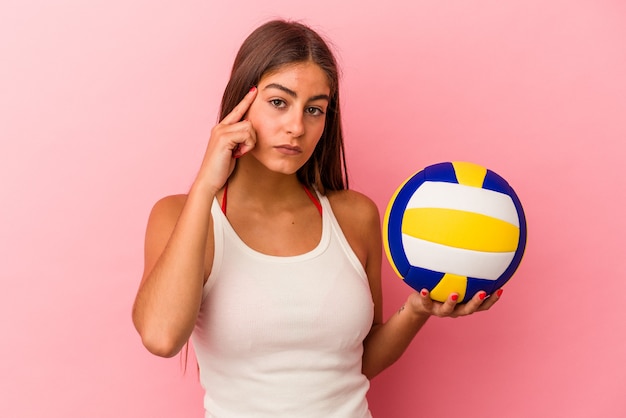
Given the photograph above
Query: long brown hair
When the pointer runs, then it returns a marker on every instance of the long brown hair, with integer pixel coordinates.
(268, 48)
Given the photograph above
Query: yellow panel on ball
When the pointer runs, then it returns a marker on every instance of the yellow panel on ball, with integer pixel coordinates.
(450, 283)
(460, 229)
(469, 174)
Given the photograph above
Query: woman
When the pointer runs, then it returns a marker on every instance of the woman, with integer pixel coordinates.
(270, 263)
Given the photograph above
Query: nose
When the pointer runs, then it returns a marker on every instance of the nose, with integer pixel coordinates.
(295, 124)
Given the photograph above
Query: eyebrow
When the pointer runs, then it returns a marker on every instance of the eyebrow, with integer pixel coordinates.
(294, 94)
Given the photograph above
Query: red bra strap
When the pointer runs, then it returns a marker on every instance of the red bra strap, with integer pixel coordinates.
(224, 198)
(316, 202)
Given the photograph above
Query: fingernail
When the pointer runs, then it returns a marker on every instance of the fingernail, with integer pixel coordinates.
(499, 292)
(424, 292)
(454, 297)
(252, 89)
(482, 295)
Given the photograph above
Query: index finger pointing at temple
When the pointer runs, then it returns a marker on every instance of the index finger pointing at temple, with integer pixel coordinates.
(242, 107)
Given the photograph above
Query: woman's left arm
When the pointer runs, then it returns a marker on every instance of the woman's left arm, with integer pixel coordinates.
(388, 340)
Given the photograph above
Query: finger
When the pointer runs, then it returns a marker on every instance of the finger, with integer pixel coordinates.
(448, 306)
(246, 143)
(491, 300)
(232, 136)
(427, 302)
(474, 303)
(242, 107)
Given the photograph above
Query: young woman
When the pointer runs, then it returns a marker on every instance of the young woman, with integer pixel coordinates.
(270, 263)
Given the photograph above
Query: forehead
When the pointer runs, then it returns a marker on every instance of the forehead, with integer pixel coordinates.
(299, 77)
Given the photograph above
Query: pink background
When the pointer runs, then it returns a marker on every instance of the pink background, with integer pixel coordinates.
(105, 106)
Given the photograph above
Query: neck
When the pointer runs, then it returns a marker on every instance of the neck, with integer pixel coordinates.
(253, 183)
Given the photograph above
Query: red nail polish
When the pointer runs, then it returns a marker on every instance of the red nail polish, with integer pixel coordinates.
(499, 292)
(482, 295)
(454, 297)
(424, 292)
(252, 89)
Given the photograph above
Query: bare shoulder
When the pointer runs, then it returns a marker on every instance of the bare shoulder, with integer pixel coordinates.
(161, 223)
(353, 207)
(359, 220)
(162, 220)
(168, 207)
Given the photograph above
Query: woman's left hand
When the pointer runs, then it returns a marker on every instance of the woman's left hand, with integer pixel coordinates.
(422, 304)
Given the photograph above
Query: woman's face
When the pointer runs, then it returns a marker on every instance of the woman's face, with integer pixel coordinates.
(288, 116)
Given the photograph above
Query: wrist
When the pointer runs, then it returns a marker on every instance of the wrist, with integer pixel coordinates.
(418, 315)
(409, 318)
(416, 309)
(203, 189)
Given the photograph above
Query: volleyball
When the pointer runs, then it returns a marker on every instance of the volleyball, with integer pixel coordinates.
(454, 227)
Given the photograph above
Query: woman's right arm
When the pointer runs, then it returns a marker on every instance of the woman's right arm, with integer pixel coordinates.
(170, 293)
(179, 242)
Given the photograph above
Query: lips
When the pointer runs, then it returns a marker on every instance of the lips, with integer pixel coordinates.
(288, 149)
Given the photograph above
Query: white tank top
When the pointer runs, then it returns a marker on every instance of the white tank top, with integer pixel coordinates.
(283, 336)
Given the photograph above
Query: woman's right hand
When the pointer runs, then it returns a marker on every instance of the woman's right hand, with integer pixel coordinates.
(230, 139)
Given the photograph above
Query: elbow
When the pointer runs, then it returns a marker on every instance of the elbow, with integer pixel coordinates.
(368, 374)
(368, 369)
(160, 346)
(371, 372)
(158, 341)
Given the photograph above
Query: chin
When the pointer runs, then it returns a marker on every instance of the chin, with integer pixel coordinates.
(282, 169)
(287, 167)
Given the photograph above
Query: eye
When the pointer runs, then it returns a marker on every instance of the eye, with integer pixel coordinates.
(278, 103)
(314, 111)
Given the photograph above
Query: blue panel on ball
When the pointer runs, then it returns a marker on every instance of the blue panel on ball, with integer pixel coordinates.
(475, 285)
(396, 215)
(496, 183)
(420, 278)
(440, 172)
(521, 245)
